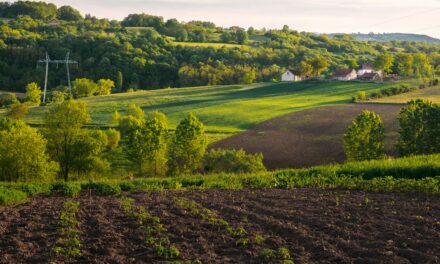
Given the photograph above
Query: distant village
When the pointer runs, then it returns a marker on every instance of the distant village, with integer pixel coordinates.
(365, 73)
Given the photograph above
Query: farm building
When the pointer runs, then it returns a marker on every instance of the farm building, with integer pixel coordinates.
(344, 75)
(289, 76)
(54, 22)
(365, 68)
(370, 76)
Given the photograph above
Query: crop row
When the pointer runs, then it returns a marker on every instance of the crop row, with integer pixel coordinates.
(69, 244)
(154, 230)
(240, 234)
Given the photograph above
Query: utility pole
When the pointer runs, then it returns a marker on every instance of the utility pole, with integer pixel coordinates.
(48, 61)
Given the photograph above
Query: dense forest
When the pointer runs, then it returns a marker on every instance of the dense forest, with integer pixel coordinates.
(149, 52)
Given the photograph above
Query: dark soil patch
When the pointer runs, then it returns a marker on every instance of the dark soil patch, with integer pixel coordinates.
(317, 226)
(310, 137)
(29, 231)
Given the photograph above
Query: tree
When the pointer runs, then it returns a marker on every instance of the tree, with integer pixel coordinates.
(233, 161)
(68, 13)
(113, 137)
(404, 64)
(8, 99)
(84, 88)
(422, 65)
(23, 155)
(105, 87)
(17, 111)
(119, 81)
(304, 69)
(364, 138)
(384, 62)
(33, 93)
(242, 36)
(64, 133)
(188, 146)
(419, 128)
(319, 65)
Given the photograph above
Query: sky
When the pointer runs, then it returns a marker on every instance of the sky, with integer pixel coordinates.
(319, 16)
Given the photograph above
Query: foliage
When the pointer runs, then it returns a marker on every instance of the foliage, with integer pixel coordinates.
(11, 196)
(364, 138)
(384, 62)
(68, 245)
(103, 188)
(113, 137)
(105, 87)
(66, 138)
(17, 111)
(19, 161)
(360, 96)
(69, 189)
(84, 88)
(8, 99)
(419, 128)
(33, 94)
(67, 13)
(188, 146)
(233, 161)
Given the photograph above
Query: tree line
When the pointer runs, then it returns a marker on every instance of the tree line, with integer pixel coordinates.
(419, 133)
(65, 149)
(140, 52)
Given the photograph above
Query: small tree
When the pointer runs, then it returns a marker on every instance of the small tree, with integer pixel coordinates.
(113, 136)
(17, 111)
(233, 161)
(8, 99)
(364, 138)
(384, 62)
(84, 88)
(33, 94)
(105, 87)
(63, 129)
(23, 154)
(419, 128)
(188, 146)
(119, 81)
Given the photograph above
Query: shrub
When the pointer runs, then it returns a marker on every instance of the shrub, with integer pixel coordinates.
(113, 138)
(233, 161)
(70, 189)
(8, 99)
(11, 196)
(104, 188)
(364, 138)
(360, 96)
(17, 111)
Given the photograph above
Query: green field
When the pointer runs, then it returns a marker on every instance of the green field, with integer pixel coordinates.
(430, 93)
(225, 109)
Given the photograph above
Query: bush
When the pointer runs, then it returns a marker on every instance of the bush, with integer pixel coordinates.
(113, 138)
(8, 99)
(360, 96)
(70, 189)
(233, 161)
(364, 138)
(104, 188)
(11, 196)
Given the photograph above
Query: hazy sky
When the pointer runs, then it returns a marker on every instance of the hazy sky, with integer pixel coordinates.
(415, 16)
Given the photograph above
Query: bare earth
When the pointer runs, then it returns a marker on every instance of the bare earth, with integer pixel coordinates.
(310, 137)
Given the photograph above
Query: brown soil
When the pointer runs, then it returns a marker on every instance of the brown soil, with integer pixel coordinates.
(317, 226)
(29, 231)
(310, 137)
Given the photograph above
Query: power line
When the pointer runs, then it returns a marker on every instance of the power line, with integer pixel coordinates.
(403, 17)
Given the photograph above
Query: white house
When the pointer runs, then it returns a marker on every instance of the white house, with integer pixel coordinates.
(366, 68)
(289, 76)
(344, 75)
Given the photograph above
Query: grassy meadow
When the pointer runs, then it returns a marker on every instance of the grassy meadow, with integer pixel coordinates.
(224, 109)
(430, 93)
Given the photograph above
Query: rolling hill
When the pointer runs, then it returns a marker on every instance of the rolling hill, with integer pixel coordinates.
(394, 37)
(226, 109)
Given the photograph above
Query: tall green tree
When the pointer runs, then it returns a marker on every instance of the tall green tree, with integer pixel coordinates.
(364, 138)
(404, 64)
(188, 146)
(64, 132)
(119, 81)
(33, 93)
(422, 65)
(384, 62)
(319, 64)
(68, 13)
(419, 128)
(23, 155)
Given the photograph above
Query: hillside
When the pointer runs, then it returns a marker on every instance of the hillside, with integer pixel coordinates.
(430, 93)
(385, 37)
(231, 108)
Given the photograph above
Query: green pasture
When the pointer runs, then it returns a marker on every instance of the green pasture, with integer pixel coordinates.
(224, 109)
